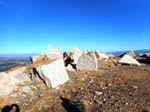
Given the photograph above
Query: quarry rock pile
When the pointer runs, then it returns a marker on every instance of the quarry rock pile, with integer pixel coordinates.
(51, 67)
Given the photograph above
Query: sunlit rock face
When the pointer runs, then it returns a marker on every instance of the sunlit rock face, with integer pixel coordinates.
(126, 59)
(54, 73)
(87, 62)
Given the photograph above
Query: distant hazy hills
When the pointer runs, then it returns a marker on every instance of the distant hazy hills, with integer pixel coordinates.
(16, 56)
(7, 61)
(137, 52)
(27, 56)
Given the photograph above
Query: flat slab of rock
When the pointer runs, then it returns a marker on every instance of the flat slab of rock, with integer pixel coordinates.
(87, 62)
(54, 74)
(126, 59)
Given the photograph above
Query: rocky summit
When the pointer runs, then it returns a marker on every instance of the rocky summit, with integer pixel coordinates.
(75, 81)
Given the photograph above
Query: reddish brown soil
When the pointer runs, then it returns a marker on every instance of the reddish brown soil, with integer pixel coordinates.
(111, 89)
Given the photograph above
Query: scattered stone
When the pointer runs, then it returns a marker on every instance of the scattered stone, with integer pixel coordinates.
(100, 102)
(91, 80)
(98, 93)
(33, 87)
(135, 87)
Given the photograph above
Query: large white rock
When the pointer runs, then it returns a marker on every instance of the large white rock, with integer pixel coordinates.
(76, 54)
(87, 62)
(54, 73)
(53, 53)
(126, 59)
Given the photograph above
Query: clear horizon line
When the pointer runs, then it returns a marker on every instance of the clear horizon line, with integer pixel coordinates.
(39, 53)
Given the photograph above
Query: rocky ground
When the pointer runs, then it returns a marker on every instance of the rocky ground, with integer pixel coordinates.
(111, 88)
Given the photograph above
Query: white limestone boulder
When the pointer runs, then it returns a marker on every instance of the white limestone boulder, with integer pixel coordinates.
(87, 62)
(126, 59)
(54, 73)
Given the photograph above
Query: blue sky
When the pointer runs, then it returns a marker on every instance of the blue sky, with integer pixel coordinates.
(28, 26)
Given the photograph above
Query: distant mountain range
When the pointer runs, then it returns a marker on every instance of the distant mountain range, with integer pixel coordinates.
(137, 52)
